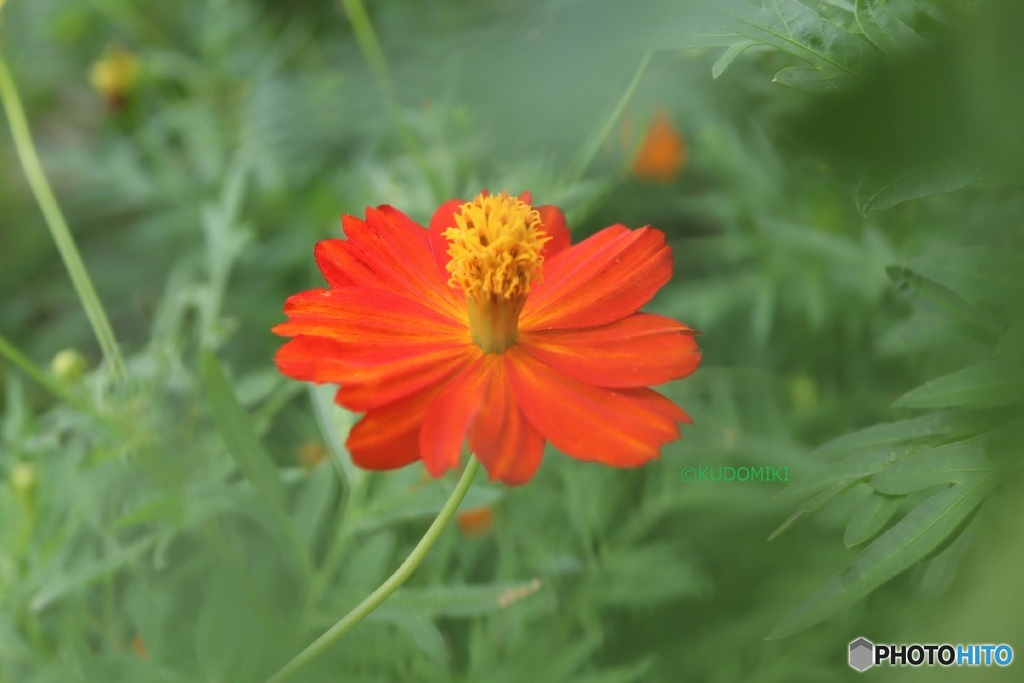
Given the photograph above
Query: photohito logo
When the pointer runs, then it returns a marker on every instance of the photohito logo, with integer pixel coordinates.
(864, 654)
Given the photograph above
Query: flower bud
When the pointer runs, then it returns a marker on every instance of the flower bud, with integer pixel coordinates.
(114, 76)
(23, 476)
(69, 365)
(312, 454)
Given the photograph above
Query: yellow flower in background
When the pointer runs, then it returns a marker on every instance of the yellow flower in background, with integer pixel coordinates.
(312, 454)
(114, 76)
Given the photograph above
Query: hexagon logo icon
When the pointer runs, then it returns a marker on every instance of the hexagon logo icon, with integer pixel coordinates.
(862, 654)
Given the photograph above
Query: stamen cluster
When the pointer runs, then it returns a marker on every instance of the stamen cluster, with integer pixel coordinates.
(495, 247)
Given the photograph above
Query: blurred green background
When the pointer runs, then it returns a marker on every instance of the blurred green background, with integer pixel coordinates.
(841, 184)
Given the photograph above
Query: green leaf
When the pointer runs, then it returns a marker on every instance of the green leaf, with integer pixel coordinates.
(460, 601)
(980, 274)
(796, 29)
(652, 574)
(888, 25)
(813, 503)
(244, 446)
(219, 630)
(922, 331)
(164, 509)
(946, 464)
(946, 424)
(941, 570)
(422, 501)
(727, 58)
(366, 565)
(1012, 341)
(912, 539)
(806, 78)
(882, 192)
(993, 383)
(763, 315)
(335, 423)
(418, 626)
(939, 300)
(238, 434)
(852, 469)
(575, 656)
(627, 673)
(870, 518)
(314, 502)
(834, 54)
(85, 572)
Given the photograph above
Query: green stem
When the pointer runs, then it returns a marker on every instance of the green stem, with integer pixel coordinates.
(21, 361)
(79, 402)
(336, 551)
(370, 46)
(55, 221)
(389, 586)
(590, 151)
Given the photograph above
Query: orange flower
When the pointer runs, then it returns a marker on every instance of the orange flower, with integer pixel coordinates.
(477, 521)
(490, 327)
(662, 153)
(140, 648)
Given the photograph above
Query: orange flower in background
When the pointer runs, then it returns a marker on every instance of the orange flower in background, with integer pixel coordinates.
(490, 327)
(476, 522)
(140, 648)
(662, 152)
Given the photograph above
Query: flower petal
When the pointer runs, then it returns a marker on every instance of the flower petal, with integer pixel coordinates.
(382, 383)
(367, 317)
(442, 219)
(449, 415)
(553, 221)
(637, 351)
(501, 437)
(346, 264)
(374, 377)
(378, 345)
(604, 278)
(388, 437)
(620, 427)
(391, 252)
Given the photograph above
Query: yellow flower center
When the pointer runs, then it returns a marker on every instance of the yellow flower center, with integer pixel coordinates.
(495, 248)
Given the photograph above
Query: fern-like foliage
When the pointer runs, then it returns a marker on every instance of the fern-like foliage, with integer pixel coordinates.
(926, 476)
(835, 40)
